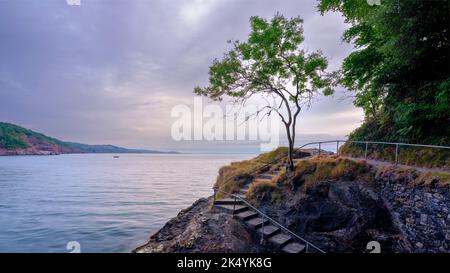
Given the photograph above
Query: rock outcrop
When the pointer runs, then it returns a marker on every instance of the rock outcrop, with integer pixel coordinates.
(340, 216)
(420, 207)
(197, 229)
(402, 210)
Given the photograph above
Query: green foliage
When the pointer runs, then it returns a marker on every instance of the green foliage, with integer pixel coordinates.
(400, 71)
(13, 137)
(11, 142)
(10, 137)
(268, 62)
(271, 65)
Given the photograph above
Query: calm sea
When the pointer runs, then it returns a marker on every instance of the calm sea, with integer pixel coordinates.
(105, 204)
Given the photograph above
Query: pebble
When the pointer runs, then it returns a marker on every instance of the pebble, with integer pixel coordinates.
(419, 245)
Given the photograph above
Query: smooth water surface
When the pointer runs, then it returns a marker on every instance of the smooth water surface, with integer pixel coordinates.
(106, 204)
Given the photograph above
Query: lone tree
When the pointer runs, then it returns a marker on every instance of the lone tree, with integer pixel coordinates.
(271, 64)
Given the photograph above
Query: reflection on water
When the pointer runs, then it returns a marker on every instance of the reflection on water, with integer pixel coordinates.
(106, 204)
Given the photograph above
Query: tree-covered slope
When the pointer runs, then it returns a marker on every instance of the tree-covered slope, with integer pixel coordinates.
(399, 72)
(13, 137)
(16, 140)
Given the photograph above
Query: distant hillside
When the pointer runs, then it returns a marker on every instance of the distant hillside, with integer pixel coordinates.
(16, 140)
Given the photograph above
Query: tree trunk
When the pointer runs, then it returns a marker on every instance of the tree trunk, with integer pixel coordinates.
(290, 156)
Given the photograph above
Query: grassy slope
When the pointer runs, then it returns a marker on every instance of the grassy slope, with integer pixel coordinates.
(414, 156)
(233, 176)
(308, 173)
(12, 137)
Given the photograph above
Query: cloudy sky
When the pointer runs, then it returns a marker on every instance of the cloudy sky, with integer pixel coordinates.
(110, 71)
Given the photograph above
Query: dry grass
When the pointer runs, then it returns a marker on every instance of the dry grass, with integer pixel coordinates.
(413, 156)
(427, 178)
(235, 175)
(265, 191)
(412, 176)
(321, 168)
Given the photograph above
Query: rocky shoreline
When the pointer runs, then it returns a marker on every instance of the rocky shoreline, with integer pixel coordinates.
(197, 229)
(403, 210)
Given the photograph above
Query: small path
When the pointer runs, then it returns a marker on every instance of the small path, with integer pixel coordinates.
(381, 164)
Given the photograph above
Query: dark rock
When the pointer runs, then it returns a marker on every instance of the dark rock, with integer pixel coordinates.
(198, 229)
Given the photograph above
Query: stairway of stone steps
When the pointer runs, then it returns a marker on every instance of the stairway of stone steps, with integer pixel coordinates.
(253, 220)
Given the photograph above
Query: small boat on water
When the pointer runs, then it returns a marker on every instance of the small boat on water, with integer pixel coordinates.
(116, 156)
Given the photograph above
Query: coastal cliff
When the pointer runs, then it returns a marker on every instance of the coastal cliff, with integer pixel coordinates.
(16, 140)
(338, 204)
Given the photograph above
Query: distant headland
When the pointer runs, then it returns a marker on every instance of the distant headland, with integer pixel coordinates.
(16, 140)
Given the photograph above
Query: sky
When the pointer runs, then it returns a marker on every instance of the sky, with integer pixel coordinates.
(110, 71)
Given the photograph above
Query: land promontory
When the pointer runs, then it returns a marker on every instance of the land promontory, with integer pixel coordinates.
(338, 204)
(16, 140)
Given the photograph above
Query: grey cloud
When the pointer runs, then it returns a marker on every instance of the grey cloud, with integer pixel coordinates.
(110, 71)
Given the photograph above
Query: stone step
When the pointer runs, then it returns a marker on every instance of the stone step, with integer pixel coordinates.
(243, 192)
(247, 215)
(229, 208)
(269, 230)
(241, 195)
(228, 201)
(280, 239)
(257, 180)
(265, 176)
(293, 248)
(256, 222)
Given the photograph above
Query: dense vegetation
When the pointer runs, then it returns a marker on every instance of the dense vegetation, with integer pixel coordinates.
(400, 71)
(13, 137)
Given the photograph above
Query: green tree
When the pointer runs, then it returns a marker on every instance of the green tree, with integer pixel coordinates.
(272, 65)
(400, 68)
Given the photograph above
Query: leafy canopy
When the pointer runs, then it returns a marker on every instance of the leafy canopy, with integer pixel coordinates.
(270, 62)
(400, 68)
